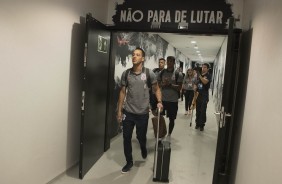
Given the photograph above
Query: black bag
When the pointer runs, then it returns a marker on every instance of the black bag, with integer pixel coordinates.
(162, 159)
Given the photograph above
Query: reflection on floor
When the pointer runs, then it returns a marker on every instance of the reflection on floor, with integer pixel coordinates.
(192, 157)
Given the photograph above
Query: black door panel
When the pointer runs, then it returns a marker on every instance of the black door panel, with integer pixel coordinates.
(95, 94)
(225, 132)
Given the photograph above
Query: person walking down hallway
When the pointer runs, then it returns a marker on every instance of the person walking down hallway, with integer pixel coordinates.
(153, 100)
(170, 82)
(188, 89)
(133, 104)
(161, 66)
(180, 93)
(203, 85)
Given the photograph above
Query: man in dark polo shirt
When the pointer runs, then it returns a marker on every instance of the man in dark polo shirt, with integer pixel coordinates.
(133, 105)
(202, 86)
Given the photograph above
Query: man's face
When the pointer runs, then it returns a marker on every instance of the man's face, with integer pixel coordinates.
(161, 64)
(137, 57)
(204, 69)
(170, 63)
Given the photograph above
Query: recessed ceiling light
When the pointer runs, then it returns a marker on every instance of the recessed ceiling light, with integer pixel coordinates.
(198, 51)
(196, 47)
(193, 42)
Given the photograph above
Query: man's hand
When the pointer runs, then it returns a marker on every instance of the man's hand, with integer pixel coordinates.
(119, 117)
(198, 74)
(160, 106)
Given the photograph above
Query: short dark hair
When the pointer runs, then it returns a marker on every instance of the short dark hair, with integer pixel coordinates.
(171, 58)
(161, 59)
(207, 65)
(143, 52)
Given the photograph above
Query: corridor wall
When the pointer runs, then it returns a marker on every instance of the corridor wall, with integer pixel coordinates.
(40, 96)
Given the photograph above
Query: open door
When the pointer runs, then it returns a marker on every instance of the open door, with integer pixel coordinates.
(226, 123)
(94, 94)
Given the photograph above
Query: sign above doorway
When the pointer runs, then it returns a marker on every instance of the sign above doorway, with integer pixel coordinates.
(173, 15)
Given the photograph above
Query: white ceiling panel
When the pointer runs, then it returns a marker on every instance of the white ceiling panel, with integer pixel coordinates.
(208, 46)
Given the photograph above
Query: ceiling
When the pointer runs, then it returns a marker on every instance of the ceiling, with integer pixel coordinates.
(207, 46)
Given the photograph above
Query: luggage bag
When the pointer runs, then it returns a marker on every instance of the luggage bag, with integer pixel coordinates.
(162, 158)
(162, 126)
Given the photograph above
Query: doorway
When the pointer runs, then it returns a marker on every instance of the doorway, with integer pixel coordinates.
(157, 47)
(231, 52)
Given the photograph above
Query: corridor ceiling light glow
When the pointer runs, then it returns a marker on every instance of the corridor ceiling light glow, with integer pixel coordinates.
(196, 47)
(193, 42)
(198, 51)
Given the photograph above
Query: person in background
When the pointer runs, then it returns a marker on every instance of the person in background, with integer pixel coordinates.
(161, 66)
(133, 105)
(153, 100)
(202, 87)
(195, 72)
(188, 89)
(180, 92)
(170, 82)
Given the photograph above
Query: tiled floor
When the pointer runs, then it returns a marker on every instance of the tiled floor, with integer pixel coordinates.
(192, 157)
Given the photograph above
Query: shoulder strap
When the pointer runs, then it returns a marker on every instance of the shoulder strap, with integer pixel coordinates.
(149, 84)
(126, 76)
(161, 74)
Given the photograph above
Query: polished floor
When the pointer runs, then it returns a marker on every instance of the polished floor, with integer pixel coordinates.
(192, 157)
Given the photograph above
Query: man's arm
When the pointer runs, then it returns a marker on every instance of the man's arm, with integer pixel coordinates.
(158, 94)
(203, 79)
(121, 98)
(177, 86)
(179, 82)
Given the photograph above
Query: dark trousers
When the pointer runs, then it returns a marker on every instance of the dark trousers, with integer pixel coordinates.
(170, 109)
(201, 109)
(141, 122)
(189, 94)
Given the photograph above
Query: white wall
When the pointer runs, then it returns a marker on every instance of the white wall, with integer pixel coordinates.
(40, 98)
(260, 160)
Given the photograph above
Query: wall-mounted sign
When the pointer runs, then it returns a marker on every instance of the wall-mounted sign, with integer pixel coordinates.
(203, 15)
(102, 44)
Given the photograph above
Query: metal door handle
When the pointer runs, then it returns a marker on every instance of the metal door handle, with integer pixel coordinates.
(82, 100)
(217, 117)
(224, 118)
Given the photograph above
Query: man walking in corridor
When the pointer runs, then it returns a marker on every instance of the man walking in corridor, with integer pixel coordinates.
(133, 104)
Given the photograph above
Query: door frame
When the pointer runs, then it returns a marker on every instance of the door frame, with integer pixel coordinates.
(186, 32)
(111, 69)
